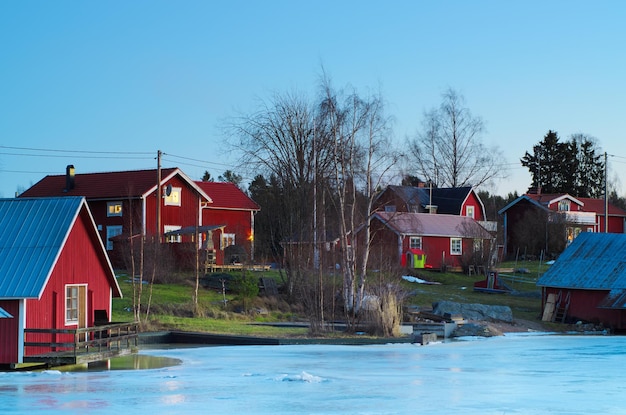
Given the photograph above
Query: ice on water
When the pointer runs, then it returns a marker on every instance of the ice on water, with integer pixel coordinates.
(514, 374)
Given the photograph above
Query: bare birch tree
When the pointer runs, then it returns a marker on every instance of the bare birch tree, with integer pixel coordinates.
(359, 131)
(449, 151)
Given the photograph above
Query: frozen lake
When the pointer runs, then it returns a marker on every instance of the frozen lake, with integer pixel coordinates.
(514, 374)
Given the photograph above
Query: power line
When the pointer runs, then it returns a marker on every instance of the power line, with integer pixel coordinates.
(78, 157)
(72, 151)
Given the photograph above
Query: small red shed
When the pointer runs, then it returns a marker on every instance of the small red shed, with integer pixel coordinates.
(55, 271)
(588, 282)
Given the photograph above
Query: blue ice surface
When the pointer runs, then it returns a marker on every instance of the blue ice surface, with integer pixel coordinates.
(512, 374)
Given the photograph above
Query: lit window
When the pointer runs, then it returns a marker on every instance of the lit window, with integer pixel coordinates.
(456, 246)
(112, 231)
(71, 304)
(228, 239)
(172, 196)
(415, 242)
(114, 208)
(469, 211)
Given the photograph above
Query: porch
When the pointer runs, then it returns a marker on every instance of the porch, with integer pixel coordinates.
(90, 344)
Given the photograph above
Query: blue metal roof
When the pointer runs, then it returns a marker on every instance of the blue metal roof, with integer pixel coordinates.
(594, 261)
(32, 233)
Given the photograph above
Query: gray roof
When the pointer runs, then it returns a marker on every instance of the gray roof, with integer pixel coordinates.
(32, 234)
(594, 261)
(428, 224)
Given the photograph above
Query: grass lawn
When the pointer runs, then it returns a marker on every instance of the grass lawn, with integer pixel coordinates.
(172, 308)
(172, 305)
(525, 303)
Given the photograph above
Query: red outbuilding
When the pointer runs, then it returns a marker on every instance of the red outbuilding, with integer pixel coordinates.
(55, 273)
(588, 282)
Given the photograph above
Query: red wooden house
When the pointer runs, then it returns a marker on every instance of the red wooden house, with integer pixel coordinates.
(588, 282)
(124, 204)
(448, 241)
(576, 214)
(55, 273)
(460, 201)
(231, 211)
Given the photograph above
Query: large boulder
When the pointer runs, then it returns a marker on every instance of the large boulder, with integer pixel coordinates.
(475, 312)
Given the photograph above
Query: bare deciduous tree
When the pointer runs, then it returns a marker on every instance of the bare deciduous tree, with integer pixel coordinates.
(449, 151)
(359, 131)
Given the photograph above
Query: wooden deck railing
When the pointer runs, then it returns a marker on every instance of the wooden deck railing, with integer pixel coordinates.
(96, 339)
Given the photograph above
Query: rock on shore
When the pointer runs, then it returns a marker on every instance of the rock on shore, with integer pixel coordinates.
(475, 312)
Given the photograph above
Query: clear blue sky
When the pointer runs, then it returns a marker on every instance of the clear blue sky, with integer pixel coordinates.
(85, 77)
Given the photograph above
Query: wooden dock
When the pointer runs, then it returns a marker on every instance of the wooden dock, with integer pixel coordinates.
(211, 267)
(89, 344)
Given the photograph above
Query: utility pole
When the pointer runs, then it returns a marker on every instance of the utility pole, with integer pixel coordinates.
(606, 195)
(158, 198)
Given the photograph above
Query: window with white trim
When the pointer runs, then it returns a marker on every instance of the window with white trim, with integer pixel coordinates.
(172, 238)
(564, 205)
(71, 304)
(173, 199)
(112, 231)
(114, 209)
(415, 242)
(469, 211)
(456, 246)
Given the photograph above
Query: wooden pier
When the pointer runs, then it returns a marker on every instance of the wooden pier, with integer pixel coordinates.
(90, 344)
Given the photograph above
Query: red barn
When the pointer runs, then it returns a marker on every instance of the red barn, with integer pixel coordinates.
(446, 240)
(588, 282)
(55, 271)
(124, 204)
(232, 211)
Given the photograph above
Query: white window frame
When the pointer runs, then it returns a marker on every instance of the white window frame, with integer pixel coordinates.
(564, 205)
(174, 198)
(172, 239)
(469, 211)
(72, 302)
(415, 242)
(227, 239)
(114, 209)
(456, 246)
(112, 231)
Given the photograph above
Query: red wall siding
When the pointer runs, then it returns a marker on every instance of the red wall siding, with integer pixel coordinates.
(238, 222)
(78, 263)
(438, 252)
(472, 200)
(584, 307)
(9, 332)
(183, 215)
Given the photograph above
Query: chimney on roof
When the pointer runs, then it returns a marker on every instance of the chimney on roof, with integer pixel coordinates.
(69, 177)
